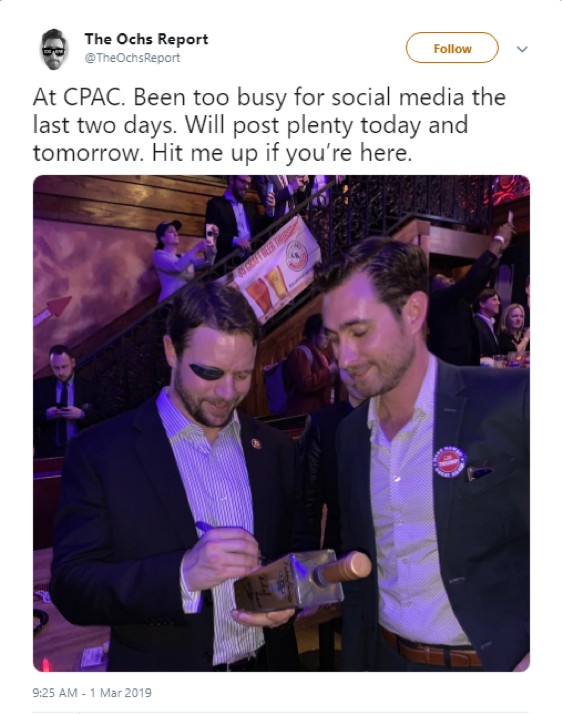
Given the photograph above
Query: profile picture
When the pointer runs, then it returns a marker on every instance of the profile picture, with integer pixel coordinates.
(53, 46)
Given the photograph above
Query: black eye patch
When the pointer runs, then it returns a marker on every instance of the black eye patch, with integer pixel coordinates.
(211, 374)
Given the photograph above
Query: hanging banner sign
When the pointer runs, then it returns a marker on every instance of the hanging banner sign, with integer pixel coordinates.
(277, 272)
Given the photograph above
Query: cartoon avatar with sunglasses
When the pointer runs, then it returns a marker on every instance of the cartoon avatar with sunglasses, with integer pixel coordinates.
(53, 45)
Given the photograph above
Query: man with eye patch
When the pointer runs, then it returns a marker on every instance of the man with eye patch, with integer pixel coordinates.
(164, 508)
(53, 47)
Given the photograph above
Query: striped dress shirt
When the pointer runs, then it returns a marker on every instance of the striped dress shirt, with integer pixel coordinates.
(413, 602)
(217, 488)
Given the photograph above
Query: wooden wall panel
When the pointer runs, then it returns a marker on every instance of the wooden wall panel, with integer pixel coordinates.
(461, 244)
(134, 202)
(125, 194)
(94, 239)
(188, 184)
(201, 185)
(77, 210)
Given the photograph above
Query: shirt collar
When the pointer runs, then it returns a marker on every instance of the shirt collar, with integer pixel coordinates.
(175, 422)
(489, 320)
(70, 382)
(425, 400)
(229, 197)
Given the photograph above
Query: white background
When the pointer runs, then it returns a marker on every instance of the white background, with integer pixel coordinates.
(328, 46)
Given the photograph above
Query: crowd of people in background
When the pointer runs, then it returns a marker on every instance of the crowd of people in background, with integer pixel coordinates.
(464, 317)
(466, 325)
(231, 222)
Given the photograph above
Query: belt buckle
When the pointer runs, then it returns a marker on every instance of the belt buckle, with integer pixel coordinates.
(426, 650)
(241, 662)
(431, 655)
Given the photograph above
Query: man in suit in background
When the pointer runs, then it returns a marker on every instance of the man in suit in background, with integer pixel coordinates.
(433, 480)
(288, 192)
(486, 308)
(63, 404)
(164, 507)
(453, 334)
(237, 220)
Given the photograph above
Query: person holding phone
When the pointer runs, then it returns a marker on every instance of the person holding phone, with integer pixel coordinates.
(237, 219)
(63, 405)
(288, 192)
(175, 269)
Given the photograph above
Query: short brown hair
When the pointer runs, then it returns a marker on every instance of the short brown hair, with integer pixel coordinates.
(60, 350)
(485, 295)
(213, 305)
(396, 270)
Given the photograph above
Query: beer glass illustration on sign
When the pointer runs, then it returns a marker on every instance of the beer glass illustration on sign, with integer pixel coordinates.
(259, 292)
(275, 278)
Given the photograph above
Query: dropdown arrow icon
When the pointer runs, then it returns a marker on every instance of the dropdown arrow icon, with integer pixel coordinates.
(522, 49)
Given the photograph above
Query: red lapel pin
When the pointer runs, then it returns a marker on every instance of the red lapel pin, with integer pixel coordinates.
(256, 444)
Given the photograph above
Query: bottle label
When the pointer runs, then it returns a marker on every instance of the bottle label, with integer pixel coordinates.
(269, 588)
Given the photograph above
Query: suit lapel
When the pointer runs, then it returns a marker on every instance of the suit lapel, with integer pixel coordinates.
(78, 392)
(158, 461)
(259, 464)
(449, 409)
(50, 391)
(360, 467)
(229, 216)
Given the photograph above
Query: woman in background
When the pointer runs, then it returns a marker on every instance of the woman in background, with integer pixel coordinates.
(174, 269)
(310, 373)
(513, 337)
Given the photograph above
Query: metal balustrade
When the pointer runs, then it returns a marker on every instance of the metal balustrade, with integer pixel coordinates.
(131, 366)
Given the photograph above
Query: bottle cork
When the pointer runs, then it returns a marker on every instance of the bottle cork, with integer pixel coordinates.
(354, 566)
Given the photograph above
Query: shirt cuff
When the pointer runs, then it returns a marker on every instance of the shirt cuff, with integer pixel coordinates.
(83, 416)
(270, 212)
(235, 241)
(191, 601)
(47, 415)
(290, 188)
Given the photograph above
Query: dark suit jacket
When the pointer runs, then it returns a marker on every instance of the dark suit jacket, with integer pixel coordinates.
(482, 526)
(124, 524)
(282, 194)
(489, 344)
(44, 397)
(310, 185)
(320, 471)
(220, 213)
(453, 336)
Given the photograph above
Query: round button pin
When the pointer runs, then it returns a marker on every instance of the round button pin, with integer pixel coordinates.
(449, 461)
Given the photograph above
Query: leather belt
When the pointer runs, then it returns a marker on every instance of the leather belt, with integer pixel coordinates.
(247, 664)
(431, 654)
